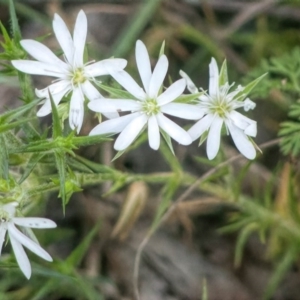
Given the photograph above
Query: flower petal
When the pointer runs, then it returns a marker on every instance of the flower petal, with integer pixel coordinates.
(55, 88)
(34, 222)
(214, 137)
(189, 83)
(105, 67)
(200, 127)
(79, 38)
(153, 133)
(76, 110)
(182, 110)
(158, 76)
(93, 94)
(113, 126)
(173, 130)
(172, 92)
(241, 141)
(247, 125)
(130, 132)
(38, 68)
(27, 242)
(46, 107)
(2, 236)
(143, 64)
(21, 257)
(63, 37)
(128, 83)
(213, 78)
(42, 53)
(108, 105)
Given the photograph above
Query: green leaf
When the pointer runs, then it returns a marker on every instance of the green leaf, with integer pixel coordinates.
(248, 88)
(290, 255)
(75, 258)
(167, 140)
(10, 115)
(118, 93)
(60, 160)
(189, 98)
(34, 159)
(3, 159)
(223, 77)
(14, 22)
(241, 241)
(162, 49)
(136, 25)
(89, 140)
(13, 125)
(56, 126)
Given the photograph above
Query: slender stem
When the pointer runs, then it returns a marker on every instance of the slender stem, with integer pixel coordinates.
(183, 196)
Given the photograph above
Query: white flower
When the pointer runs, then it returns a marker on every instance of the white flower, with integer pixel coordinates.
(18, 239)
(147, 106)
(72, 74)
(219, 106)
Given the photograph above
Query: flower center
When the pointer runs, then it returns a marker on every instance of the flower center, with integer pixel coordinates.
(150, 107)
(78, 76)
(220, 106)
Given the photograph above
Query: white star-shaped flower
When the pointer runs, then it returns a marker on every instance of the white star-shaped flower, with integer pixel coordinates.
(18, 239)
(72, 74)
(219, 107)
(148, 105)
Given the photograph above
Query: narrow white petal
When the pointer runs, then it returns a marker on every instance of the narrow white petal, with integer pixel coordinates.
(143, 64)
(189, 83)
(113, 126)
(63, 37)
(42, 53)
(27, 242)
(241, 141)
(182, 110)
(34, 222)
(55, 88)
(76, 112)
(79, 38)
(172, 92)
(158, 76)
(128, 83)
(173, 130)
(21, 256)
(130, 132)
(38, 68)
(214, 137)
(213, 78)
(200, 127)
(153, 133)
(2, 236)
(108, 105)
(46, 107)
(105, 67)
(90, 91)
(247, 125)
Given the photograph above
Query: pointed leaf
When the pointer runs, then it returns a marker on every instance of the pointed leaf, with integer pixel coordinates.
(75, 258)
(56, 126)
(34, 159)
(60, 160)
(248, 88)
(14, 22)
(167, 140)
(223, 77)
(3, 159)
